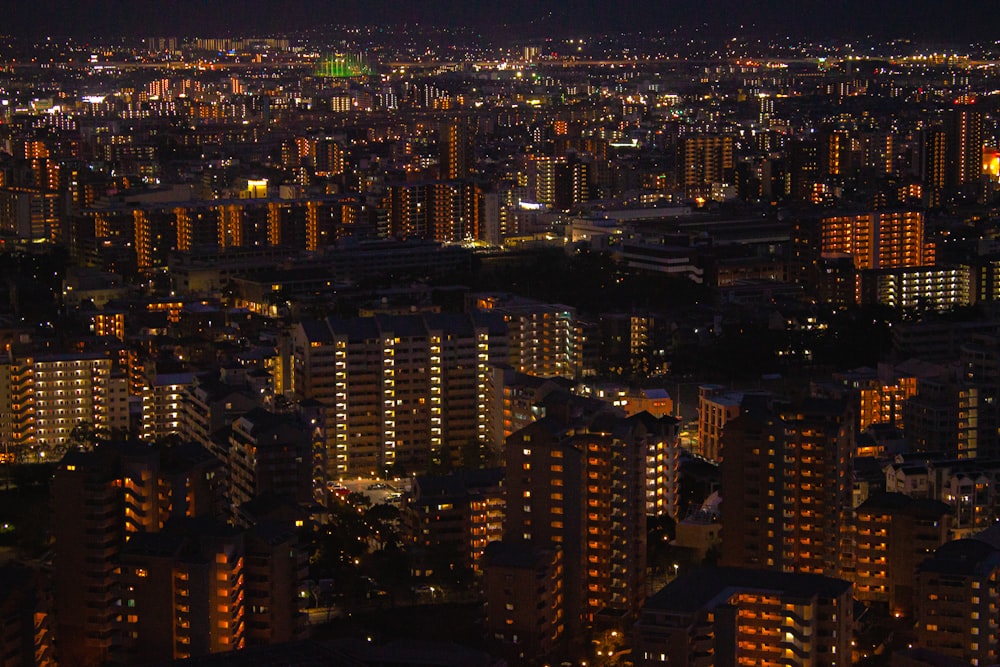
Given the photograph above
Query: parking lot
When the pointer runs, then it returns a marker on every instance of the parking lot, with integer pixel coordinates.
(378, 490)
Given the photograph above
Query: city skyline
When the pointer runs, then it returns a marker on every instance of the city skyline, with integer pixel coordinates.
(524, 334)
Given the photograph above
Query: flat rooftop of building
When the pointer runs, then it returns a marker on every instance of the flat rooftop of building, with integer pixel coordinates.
(306, 653)
(707, 587)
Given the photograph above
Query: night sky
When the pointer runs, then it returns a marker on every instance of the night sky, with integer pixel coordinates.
(935, 21)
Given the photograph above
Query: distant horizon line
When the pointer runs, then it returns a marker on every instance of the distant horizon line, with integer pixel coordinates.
(260, 33)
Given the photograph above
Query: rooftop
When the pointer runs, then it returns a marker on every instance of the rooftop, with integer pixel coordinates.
(708, 587)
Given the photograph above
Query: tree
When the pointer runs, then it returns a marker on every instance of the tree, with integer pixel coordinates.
(86, 436)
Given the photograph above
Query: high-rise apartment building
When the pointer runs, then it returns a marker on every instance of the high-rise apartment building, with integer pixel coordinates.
(152, 230)
(787, 480)
(705, 160)
(211, 405)
(89, 529)
(200, 586)
(144, 571)
(45, 397)
(445, 211)
(836, 151)
(546, 340)
(523, 587)
(457, 152)
(513, 401)
(409, 207)
(878, 395)
(557, 182)
(582, 490)
(25, 617)
(934, 158)
(163, 404)
(894, 534)
(878, 239)
(930, 417)
(330, 159)
(965, 146)
(455, 212)
(979, 398)
(453, 517)
(271, 454)
(716, 407)
(99, 498)
(182, 590)
(724, 617)
(397, 387)
(919, 287)
(956, 598)
(803, 172)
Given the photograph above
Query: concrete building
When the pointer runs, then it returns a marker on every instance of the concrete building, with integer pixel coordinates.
(966, 486)
(514, 400)
(701, 529)
(200, 587)
(894, 534)
(163, 404)
(787, 484)
(182, 590)
(46, 396)
(271, 454)
(581, 489)
(456, 515)
(723, 617)
(26, 637)
(878, 239)
(523, 587)
(545, 340)
(703, 161)
(89, 529)
(143, 570)
(385, 381)
(956, 593)
(211, 405)
(916, 287)
(716, 407)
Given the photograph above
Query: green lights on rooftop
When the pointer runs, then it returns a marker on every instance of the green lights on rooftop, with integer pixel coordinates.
(340, 66)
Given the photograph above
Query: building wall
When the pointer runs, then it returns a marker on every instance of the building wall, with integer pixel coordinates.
(956, 594)
(750, 620)
(894, 535)
(787, 476)
(585, 494)
(524, 612)
(397, 388)
(88, 527)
